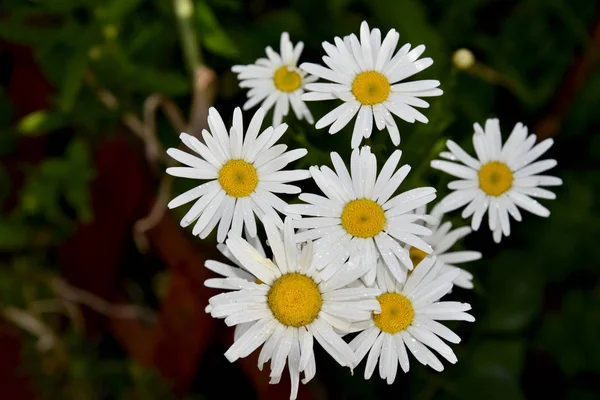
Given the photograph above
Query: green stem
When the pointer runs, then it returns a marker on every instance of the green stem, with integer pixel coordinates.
(184, 13)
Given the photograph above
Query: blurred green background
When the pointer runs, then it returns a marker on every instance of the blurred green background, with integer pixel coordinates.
(95, 306)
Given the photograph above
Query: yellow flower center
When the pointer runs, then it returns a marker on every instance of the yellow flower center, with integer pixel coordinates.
(396, 313)
(495, 178)
(238, 178)
(416, 256)
(371, 88)
(295, 300)
(286, 80)
(363, 218)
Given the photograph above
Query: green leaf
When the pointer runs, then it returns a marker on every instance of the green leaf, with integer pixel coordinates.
(121, 69)
(79, 198)
(57, 179)
(410, 18)
(57, 6)
(78, 154)
(492, 354)
(72, 81)
(283, 20)
(212, 35)
(14, 235)
(571, 335)
(497, 385)
(515, 293)
(4, 184)
(81, 170)
(16, 29)
(40, 122)
(492, 370)
(117, 9)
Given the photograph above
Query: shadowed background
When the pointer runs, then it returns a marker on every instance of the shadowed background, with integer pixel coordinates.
(101, 291)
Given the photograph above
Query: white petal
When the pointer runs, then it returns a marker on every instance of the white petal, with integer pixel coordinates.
(454, 169)
(401, 352)
(373, 356)
(535, 168)
(323, 72)
(252, 260)
(193, 173)
(363, 126)
(209, 211)
(363, 342)
(251, 339)
(332, 343)
(196, 210)
(528, 203)
(392, 184)
(463, 155)
(344, 118)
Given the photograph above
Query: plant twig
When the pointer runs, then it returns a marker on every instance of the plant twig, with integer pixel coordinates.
(203, 98)
(30, 323)
(76, 295)
(156, 213)
(154, 150)
(575, 76)
(111, 102)
(184, 13)
(494, 77)
(61, 306)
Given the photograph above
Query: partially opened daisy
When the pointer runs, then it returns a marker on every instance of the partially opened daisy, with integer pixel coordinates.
(243, 172)
(500, 179)
(408, 319)
(360, 218)
(278, 81)
(366, 76)
(442, 240)
(289, 305)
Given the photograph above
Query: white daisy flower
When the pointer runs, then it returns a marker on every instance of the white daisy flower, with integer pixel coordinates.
(441, 240)
(229, 271)
(408, 319)
(501, 178)
(243, 172)
(366, 76)
(278, 81)
(289, 305)
(359, 218)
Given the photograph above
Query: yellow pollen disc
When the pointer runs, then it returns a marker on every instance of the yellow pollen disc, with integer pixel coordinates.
(371, 88)
(495, 178)
(286, 80)
(416, 256)
(363, 218)
(295, 300)
(238, 178)
(396, 313)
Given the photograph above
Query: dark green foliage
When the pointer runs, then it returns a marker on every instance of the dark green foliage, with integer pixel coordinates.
(537, 295)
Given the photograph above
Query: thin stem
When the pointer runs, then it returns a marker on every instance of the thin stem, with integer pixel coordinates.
(184, 13)
(494, 77)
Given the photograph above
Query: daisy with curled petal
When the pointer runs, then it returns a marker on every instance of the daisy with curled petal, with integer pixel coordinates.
(366, 76)
(243, 172)
(289, 305)
(278, 81)
(408, 319)
(360, 218)
(441, 240)
(500, 179)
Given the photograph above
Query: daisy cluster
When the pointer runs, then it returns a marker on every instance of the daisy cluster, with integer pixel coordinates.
(359, 268)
